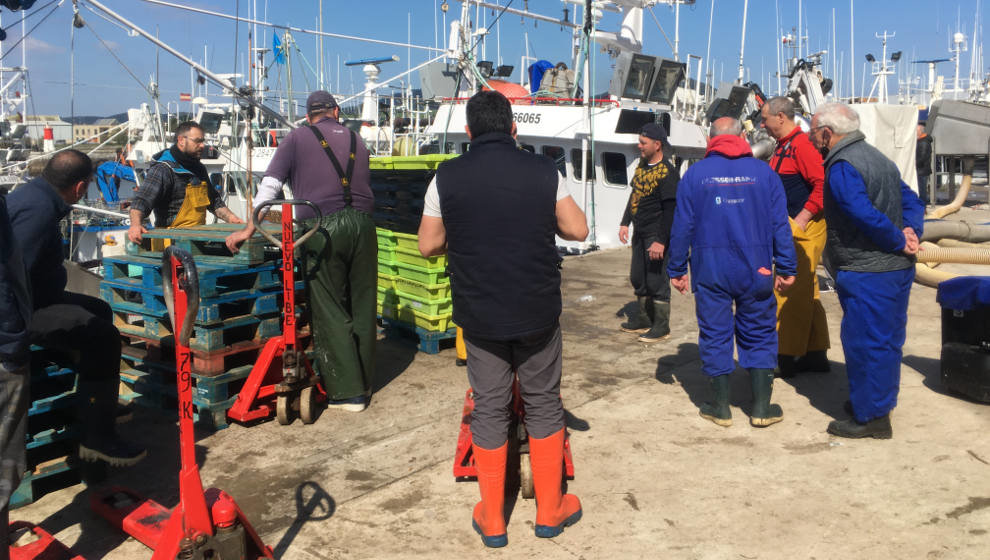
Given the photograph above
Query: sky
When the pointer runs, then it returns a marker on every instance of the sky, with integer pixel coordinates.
(922, 30)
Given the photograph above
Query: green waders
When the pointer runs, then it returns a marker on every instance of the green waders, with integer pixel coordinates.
(341, 262)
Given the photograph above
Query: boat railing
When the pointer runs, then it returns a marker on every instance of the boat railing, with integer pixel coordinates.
(541, 101)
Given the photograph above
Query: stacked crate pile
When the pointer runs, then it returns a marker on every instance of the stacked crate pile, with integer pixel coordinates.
(239, 310)
(52, 432)
(413, 291)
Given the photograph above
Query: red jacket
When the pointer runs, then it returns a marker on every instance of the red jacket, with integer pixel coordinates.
(801, 170)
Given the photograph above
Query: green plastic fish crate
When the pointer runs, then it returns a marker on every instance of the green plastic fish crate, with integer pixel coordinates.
(411, 316)
(414, 257)
(387, 267)
(431, 292)
(386, 238)
(418, 273)
(423, 305)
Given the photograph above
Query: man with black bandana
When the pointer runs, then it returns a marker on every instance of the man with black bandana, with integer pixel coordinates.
(178, 188)
(651, 212)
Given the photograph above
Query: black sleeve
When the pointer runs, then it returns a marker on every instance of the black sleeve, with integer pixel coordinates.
(627, 215)
(216, 201)
(13, 324)
(152, 190)
(668, 203)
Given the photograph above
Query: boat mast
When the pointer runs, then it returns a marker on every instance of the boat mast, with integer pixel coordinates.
(742, 46)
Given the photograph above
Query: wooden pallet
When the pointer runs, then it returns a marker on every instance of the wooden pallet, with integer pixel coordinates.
(207, 243)
(215, 280)
(206, 339)
(429, 341)
(211, 311)
(160, 354)
(212, 395)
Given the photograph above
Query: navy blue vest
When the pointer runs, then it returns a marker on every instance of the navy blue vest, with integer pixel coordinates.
(499, 209)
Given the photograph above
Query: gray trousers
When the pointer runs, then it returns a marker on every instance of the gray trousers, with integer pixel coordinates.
(491, 366)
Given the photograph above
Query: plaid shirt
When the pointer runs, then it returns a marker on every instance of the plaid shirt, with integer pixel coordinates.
(163, 192)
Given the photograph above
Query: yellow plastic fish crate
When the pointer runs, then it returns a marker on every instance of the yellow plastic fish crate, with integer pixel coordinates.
(387, 295)
(414, 257)
(387, 281)
(430, 292)
(418, 273)
(424, 305)
(407, 241)
(411, 316)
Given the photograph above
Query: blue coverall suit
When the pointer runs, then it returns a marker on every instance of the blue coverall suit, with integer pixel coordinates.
(732, 215)
(874, 304)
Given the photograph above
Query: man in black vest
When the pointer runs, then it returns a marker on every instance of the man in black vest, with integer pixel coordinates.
(495, 211)
(873, 223)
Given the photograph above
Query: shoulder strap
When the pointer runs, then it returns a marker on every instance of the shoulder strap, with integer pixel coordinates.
(781, 154)
(345, 177)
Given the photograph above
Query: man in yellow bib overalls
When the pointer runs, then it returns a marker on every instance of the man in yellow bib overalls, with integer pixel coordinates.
(178, 188)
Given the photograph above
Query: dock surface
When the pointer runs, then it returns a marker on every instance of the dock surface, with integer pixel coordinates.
(655, 479)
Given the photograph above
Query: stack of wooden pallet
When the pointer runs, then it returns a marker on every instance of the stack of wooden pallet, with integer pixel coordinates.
(52, 433)
(239, 310)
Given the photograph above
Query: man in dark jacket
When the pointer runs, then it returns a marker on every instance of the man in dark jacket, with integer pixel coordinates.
(651, 212)
(15, 315)
(79, 327)
(177, 188)
(732, 219)
(874, 223)
(494, 211)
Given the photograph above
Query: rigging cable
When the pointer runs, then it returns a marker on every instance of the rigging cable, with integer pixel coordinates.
(14, 46)
(117, 58)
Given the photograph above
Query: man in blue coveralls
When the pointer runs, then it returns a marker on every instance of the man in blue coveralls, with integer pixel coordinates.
(874, 222)
(732, 216)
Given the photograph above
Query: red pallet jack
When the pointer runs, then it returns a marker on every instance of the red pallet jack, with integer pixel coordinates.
(38, 544)
(464, 467)
(204, 524)
(282, 371)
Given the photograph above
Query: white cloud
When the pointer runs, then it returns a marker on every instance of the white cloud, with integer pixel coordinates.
(37, 46)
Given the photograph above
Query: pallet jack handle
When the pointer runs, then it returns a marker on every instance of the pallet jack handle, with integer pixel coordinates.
(286, 219)
(188, 283)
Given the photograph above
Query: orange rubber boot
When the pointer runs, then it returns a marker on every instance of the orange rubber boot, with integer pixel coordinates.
(489, 515)
(554, 509)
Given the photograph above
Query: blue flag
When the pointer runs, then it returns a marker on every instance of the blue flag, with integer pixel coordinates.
(278, 49)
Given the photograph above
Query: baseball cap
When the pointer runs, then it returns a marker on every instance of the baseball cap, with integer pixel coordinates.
(654, 131)
(320, 101)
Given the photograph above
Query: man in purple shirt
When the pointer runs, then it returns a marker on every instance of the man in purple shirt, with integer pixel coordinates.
(327, 164)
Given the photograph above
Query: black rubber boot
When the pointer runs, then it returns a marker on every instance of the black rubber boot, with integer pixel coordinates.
(640, 322)
(764, 413)
(815, 361)
(660, 329)
(785, 366)
(718, 410)
(878, 428)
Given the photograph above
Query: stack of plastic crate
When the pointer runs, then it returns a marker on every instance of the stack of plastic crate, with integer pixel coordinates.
(413, 291)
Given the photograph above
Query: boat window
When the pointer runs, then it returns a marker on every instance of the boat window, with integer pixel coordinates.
(465, 146)
(557, 153)
(639, 78)
(528, 147)
(576, 165)
(614, 165)
(669, 76)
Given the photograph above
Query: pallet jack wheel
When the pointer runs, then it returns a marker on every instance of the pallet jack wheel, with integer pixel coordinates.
(307, 405)
(283, 409)
(526, 489)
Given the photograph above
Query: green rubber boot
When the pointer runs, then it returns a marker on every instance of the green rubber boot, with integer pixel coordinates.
(718, 411)
(763, 413)
(640, 322)
(660, 327)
